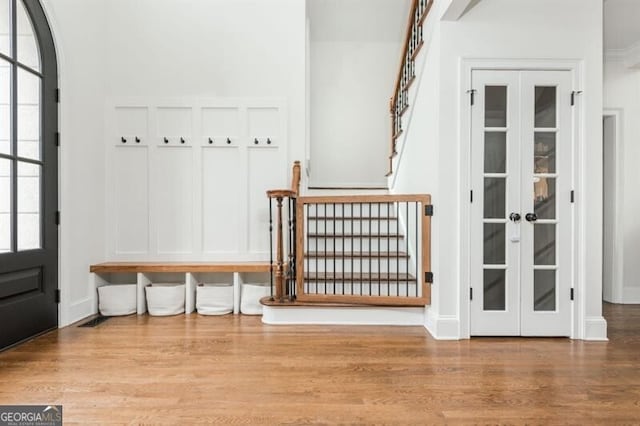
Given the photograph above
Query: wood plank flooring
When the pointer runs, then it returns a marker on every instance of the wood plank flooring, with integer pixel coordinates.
(233, 369)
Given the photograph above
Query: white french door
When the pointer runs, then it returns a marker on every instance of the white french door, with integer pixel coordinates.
(521, 225)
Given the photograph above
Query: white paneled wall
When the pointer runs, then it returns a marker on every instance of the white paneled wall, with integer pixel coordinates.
(187, 178)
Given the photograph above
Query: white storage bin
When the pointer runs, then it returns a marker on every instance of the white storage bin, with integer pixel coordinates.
(250, 298)
(214, 299)
(117, 299)
(165, 299)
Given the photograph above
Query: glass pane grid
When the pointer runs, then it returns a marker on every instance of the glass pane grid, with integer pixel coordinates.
(5, 27)
(545, 107)
(495, 106)
(544, 290)
(544, 244)
(5, 206)
(28, 52)
(29, 206)
(494, 290)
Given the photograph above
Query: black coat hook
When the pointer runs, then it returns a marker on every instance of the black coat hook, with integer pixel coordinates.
(268, 141)
(228, 141)
(137, 139)
(166, 140)
(181, 140)
(255, 141)
(210, 141)
(123, 139)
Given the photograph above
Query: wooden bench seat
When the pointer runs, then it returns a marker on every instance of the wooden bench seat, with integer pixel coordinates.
(182, 267)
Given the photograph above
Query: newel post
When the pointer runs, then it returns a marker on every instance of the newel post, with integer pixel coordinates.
(279, 195)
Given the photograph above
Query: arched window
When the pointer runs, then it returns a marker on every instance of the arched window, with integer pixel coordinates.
(28, 171)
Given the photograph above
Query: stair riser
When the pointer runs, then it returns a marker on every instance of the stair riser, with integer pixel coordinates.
(372, 227)
(358, 265)
(356, 244)
(355, 209)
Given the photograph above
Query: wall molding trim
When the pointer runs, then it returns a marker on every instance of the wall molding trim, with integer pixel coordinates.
(442, 327)
(595, 329)
(375, 315)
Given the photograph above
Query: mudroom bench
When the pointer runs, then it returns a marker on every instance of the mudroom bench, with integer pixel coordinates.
(188, 273)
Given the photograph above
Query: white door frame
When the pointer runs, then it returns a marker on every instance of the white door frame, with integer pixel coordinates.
(617, 271)
(575, 67)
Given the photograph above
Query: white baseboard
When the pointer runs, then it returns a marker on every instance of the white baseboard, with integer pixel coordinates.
(630, 295)
(77, 311)
(309, 315)
(443, 327)
(595, 328)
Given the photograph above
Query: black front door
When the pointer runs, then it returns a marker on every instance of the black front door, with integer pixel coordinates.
(28, 173)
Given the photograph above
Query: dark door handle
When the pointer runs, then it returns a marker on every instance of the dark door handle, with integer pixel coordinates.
(515, 217)
(531, 217)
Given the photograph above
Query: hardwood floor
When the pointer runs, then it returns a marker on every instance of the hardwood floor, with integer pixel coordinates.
(234, 369)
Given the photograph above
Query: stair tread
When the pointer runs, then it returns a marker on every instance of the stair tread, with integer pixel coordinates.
(318, 235)
(352, 218)
(389, 254)
(356, 276)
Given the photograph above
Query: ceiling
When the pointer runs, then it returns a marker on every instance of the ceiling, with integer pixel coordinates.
(621, 24)
(358, 20)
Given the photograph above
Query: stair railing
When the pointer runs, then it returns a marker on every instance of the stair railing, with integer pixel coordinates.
(413, 42)
(282, 277)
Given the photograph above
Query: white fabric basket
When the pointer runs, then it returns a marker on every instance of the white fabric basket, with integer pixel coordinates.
(165, 299)
(117, 299)
(250, 298)
(214, 299)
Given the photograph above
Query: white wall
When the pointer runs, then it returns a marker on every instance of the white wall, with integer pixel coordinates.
(622, 93)
(78, 31)
(168, 48)
(351, 83)
(509, 29)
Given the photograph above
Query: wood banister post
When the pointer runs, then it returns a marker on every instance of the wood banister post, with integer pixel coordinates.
(280, 195)
(295, 178)
(279, 255)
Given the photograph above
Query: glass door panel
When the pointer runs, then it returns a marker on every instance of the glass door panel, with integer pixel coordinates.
(29, 131)
(546, 165)
(5, 27)
(28, 53)
(5, 107)
(5, 205)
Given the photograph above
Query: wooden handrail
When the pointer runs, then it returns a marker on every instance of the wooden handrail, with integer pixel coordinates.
(406, 72)
(405, 48)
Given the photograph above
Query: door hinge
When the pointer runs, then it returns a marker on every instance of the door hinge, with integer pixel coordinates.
(58, 217)
(472, 96)
(57, 295)
(573, 96)
(470, 293)
(471, 196)
(57, 96)
(571, 293)
(428, 210)
(573, 196)
(57, 138)
(428, 277)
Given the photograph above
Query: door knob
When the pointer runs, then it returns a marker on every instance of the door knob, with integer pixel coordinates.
(515, 217)
(531, 217)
